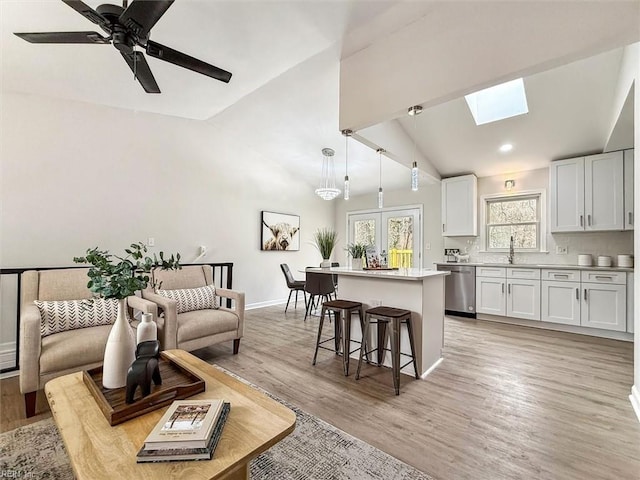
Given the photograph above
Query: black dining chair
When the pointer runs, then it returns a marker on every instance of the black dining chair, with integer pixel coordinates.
(294, 285)
(320, 287)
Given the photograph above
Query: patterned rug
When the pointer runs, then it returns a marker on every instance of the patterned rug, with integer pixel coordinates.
(315, 450)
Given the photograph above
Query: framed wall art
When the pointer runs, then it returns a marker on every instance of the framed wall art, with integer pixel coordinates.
(280, 231)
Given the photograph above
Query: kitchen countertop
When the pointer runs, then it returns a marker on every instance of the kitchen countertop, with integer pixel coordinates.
(398, 274)
(533, 265)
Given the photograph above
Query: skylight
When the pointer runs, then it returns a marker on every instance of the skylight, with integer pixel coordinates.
(498, 102)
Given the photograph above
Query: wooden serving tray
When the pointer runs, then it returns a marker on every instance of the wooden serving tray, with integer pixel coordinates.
(177, 383)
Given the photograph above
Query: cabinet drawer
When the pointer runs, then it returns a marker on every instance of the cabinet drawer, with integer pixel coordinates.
(530, 273)
(495, 272)
(591, 276)
(561, 275)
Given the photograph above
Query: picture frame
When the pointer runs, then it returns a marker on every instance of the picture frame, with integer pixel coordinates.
(279, 232)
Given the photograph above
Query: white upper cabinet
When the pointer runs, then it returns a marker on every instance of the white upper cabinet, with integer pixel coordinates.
(460, 206)
(567, 195)
(604, 191)
(628, 190)
(587, 193)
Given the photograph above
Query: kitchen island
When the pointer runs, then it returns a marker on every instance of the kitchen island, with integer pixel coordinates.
(418, 290)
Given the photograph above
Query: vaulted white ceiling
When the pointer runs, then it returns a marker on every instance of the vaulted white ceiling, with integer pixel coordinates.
(283, 98)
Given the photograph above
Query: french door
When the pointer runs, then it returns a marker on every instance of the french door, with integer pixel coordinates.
(395, 232)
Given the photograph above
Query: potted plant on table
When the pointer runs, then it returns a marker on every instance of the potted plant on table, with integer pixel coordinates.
(325, 241)
(120, 277)
(356, 251)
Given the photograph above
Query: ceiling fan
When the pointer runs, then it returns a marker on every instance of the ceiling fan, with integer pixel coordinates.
(128, 27)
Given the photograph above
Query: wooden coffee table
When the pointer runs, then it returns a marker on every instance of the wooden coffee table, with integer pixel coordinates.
(99, 451)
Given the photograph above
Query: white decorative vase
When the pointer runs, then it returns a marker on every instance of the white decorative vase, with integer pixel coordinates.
(147, 329)
(356, 263)
(120, 351)
(326, 263)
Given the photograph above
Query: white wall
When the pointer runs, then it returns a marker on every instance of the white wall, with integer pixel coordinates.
(75, 176)
(428, 196)
(595, 243)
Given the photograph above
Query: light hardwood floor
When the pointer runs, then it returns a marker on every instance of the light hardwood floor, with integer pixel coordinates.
(508, 402)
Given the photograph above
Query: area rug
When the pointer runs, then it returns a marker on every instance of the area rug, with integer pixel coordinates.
(315, 450)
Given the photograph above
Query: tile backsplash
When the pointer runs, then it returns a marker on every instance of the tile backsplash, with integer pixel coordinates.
(594, 243)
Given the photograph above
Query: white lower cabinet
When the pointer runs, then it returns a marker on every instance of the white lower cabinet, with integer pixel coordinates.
(490, 295)
(604, 306)
(523, 299)
(561, 302)
(587, 298)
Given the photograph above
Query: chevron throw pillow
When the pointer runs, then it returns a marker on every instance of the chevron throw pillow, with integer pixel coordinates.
(62, 315)
(189, 299)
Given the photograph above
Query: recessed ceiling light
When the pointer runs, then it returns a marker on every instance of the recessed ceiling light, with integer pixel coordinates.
(507, 147)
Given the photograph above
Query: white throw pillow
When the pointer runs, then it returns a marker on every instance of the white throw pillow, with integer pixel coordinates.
(62, 315)
(188, 299)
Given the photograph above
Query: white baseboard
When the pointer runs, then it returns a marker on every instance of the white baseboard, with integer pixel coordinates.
(431, 368)
(635, 400)
(7, 355)
(268, 303)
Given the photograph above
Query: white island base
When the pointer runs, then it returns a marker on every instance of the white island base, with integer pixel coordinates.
(420, 291)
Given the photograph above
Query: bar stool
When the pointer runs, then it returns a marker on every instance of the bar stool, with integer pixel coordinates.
(395, 317)
(342, 310)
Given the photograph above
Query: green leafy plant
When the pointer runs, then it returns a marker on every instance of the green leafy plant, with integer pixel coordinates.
(119, 277)
(356, 250)
(325, 241)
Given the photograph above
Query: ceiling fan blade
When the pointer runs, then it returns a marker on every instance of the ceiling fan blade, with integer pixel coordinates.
(141, 15)
(141, 70)
(183, 60)
(89, 13)
(63, 37)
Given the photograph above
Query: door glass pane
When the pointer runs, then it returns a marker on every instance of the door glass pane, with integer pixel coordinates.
(400, 242)
(364, 231)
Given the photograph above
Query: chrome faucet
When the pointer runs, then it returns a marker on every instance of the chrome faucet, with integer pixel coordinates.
(511, 254)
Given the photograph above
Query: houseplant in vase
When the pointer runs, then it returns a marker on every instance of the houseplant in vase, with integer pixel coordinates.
(325, 241)
(356, 251)
(116, 277)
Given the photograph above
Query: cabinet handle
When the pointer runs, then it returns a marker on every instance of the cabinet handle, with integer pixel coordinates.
(630, 218)
(589, 219)
(509, 289)
(585, 293)
(578, 293)
(503, 288)
(443, 227)
(604, 277)
(581, 221)
(558, 275)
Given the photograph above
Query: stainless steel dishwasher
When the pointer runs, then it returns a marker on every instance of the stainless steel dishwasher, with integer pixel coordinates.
(460, 290)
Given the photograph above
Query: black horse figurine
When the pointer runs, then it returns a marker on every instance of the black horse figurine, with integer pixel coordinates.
(143, 370)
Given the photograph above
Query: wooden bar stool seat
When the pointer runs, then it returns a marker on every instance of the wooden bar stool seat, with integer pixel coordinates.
(383, 316)
(342, 310)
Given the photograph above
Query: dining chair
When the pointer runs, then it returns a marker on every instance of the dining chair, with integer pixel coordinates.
(294, 285)
(320, 288)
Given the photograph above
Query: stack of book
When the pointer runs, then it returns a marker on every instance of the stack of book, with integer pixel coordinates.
(189, 430)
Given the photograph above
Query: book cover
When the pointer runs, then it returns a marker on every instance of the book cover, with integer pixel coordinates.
(185, 424)
(182, 454)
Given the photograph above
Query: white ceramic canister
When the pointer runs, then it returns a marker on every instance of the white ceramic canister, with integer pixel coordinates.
(625, 261)
(147, 329)
(604, 261)
(585, 260)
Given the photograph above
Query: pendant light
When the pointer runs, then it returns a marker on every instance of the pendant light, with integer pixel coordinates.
(327, 189)
(347, 134)
(414, 112)
(380, 193)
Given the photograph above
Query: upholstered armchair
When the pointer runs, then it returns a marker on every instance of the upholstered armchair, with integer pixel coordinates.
(65, 336)
(192, 314)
